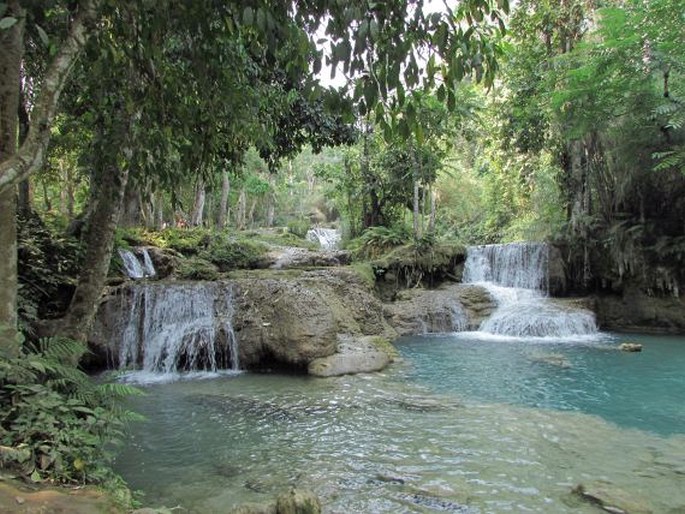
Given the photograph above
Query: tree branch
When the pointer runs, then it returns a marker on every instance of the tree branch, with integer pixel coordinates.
(31, 154)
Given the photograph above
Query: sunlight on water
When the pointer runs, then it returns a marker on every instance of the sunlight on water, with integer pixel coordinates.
(462, 425)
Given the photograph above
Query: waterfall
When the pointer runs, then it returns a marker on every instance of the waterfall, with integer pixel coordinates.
(133, 267)
(147, 264)
(328, 238)
(174, 328)
(516, 276)
(519, 265)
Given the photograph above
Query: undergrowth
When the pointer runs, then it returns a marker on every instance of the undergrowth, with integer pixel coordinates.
(57, 425)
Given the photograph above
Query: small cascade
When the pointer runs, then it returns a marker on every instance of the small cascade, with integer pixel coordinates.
(133, 266)
(518, 265)
(148, 266)
(516, 276)
(175, 328)
(459, 319)
(328, 238)
(450, 319)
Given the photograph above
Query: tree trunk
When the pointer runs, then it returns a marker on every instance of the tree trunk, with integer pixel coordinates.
(240, 210)
(25, 196)
(11, 54)
(415, 178)
(250, 216)
(199, 204)
(99, 241)
(158, 208)
(223, 204)
(271, 201)
(131, 209)
(108, 188)
(431, 220)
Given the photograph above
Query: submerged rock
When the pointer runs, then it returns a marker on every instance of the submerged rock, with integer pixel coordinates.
(298, 501)
(611, 498)
(553, 359)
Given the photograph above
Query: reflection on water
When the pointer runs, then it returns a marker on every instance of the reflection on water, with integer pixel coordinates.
(430, 435)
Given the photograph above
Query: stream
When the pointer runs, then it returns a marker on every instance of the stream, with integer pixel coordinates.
(464, 423)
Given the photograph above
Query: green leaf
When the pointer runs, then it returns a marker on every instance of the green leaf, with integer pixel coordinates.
(43, 35)
(248, 16)
(7, 22)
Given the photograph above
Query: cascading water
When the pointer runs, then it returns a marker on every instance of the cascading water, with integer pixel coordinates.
(174, 328)
(328, 238)
(133, 267)
(516, 276)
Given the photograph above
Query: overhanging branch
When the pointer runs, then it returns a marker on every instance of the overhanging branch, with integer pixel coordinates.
(31, 154)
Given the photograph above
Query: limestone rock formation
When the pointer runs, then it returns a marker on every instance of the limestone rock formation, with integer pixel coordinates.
(635, 311)
(446, 309)
(282, 319)
(293, 319)
(353, 355)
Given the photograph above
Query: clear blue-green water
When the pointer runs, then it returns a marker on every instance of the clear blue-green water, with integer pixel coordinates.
(461, 424)
(643, 390)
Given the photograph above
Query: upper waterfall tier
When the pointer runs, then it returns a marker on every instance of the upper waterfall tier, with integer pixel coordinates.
(522, 265)
(516, 277)
(328, 238)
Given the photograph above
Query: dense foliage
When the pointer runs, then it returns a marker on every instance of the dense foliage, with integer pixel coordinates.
(56, 424)
(186, 125)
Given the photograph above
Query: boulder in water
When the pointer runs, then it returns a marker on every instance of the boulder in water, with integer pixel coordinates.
(354, 355)
(630, 347)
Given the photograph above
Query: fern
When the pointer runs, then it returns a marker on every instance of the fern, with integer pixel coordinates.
(55, 422)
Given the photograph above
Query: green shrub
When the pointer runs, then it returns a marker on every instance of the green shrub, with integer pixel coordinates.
(376, 241)
(197, 268)
(229, 253)
(55, 421)
(188, 241)
(48, 264)
(299, 227)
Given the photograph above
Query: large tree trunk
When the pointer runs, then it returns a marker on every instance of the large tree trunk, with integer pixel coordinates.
(158, 208)
(25, 196)
(433, 213)
(11, 54)
(223, 204)
(110, 183)
(108, 188)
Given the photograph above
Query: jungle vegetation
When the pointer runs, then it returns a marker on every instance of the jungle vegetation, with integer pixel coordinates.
(469, 122)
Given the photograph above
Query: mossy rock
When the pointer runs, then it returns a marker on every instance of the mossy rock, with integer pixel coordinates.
(429, 265)
(229, 253)
(196, 268)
